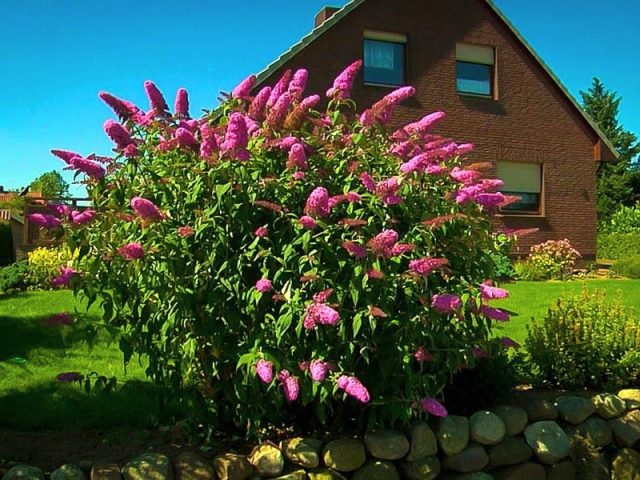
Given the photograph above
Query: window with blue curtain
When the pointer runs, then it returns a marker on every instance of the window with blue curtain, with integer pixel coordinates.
(384, 62)
(475, 67)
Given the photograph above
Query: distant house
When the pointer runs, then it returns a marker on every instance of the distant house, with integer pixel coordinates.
(466, 58)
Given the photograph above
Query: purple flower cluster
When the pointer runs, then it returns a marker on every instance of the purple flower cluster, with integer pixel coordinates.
(146, 209)
(264, 370)
(317, 204)
(131, 251)
(320, 314)
(354, 387)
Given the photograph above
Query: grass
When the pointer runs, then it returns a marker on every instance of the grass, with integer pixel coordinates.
(533, 299)
(32, 354)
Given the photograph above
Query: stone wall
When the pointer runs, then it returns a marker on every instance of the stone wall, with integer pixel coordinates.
(570, 438)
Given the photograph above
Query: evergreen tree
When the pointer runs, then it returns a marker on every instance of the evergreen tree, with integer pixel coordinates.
(615, 180)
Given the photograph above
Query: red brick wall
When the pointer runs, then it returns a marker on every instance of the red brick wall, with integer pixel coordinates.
(530, 121)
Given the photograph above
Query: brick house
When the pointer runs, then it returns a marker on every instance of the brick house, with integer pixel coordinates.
(465, 57)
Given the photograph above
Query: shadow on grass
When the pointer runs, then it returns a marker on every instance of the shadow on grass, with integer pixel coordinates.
(21, 335)
(60, 406)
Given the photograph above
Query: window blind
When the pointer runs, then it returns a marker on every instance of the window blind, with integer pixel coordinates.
(520, 177)
(467, 52)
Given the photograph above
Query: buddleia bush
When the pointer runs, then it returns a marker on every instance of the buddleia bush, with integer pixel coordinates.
(289, 263)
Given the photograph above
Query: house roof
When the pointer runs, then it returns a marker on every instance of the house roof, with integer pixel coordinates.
(353, 4)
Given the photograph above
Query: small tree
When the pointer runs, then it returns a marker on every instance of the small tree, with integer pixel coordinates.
(287, 261)
(51, 185)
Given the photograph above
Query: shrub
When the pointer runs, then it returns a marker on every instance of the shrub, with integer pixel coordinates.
(612, 246)
(503, 266)
(625, 220)
(267, 250)
(554, 259)
(6, 244)
(44, 264)
(586, 342)
(13, 278)
(529, 271)
(627, 267)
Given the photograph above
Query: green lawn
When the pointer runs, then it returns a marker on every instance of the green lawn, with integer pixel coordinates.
(32, 354)
(532, 299)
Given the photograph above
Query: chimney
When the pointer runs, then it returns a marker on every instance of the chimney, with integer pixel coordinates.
(325, 14)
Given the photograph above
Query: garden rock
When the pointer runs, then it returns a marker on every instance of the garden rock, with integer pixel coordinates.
(631, 396)
(67, 472)
(575, 410)
(344, 455)
(304, 452)
(541, 410)
(511, 451)
(471, 459)
(377, 470)
(24, 472)
(105, 471)
(562, 471)
(191, 466)
(524, 471)
(515, 419)
(626, 429)
(548, 441)
(148, 466)
(423, 442)
(325, 474)
(295, 475)
(267, 460)
(426, 468)
(626, 465)
(596, 430)
(486, 428)
(609, 405)
(474, 476)
(386, 444)
(453, 434)
(230, 466)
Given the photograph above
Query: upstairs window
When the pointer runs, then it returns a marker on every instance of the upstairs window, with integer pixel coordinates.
(384, 58)
(475, 69)
(525, 181)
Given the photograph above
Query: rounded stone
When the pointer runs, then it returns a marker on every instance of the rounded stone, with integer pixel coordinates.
(541, 410)
(267, 460)
(515, 419)
(377, 470)
(562, 471)
(304, 452)
(471, 459)
(575, 410)
(453, 434)
(105, 471)
(423, 442)
(23, 472)
(344, 455)
(324, 474)
(596, 430)
(631, 396)
(67, 472)
(511, 451)
(626, 429)
(549, 442)
(191, 466)
(609, 405)
(148, 466)
(473, 476)
(524, 471)
(626, 465)
(386, 444)
(426, 468)
(230, 466)
(486, 428)
(295, 475)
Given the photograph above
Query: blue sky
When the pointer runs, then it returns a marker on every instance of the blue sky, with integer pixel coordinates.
(57, 54)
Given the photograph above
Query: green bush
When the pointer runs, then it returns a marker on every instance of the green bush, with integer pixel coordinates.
(6, 244)
(267, 250)
(529, 271)
(44, 264)
(612, 246)
(625, 220)
(586, 342)
(13, 278)
(627, 267)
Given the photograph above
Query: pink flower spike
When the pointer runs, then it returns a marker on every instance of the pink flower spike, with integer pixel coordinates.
(467, 177)
(509, 343)
(355, 249)
(264, 285)
(131, 251)
(186, 231)
(368, 182)
(123, 109)
(64, 278)
(185, 138)
(264, 369)
(323, 296)
(425, 266)
(291, 385)
(344, 81)
(243, 89)
(433, 407)
(44, 220)
(489, 292)
(279, 89)
(307, 222)
(262, 231)
(297, 157)
(354, 387)
(258, 104)
(58, 320)
(145, 209)
(82, 218)
(421, 355)
(236, 137)
(88, 167)
(298, 83)
(323, 314)
(494, 313)
(317, 204)
(446, 303)
(116, 132)
(318, 370)
(278, 112)
(374, 274)
(156, 99)
(65, 155)
(181, 106)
